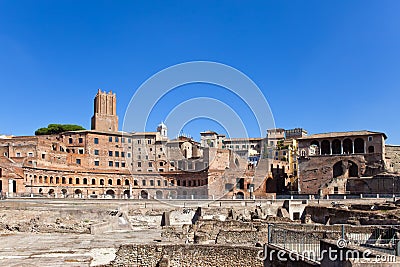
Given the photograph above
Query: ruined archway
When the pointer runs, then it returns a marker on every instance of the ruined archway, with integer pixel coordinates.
(325, 147)
(144, 194)
(159, 194)
(239, 195)
(78, 192)
(127, 193)
(353, 169)
(110, 192)
(338, 169)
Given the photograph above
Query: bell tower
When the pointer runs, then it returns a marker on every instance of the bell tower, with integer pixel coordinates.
(105, 117)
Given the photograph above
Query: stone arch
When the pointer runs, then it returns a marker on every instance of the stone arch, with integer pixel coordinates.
(118, 181)
(347, 146)
(353, 169)
(172, 194)
(77, 181)
(371, 149)
(336, 147)
(325, 147)
(126, 181)
(85, 181)
(110, 181)
(93, 181)
(338, 169)
(127, 193)
(78, 191)
(64, 191)
(144, 194)
(159, 194)
(110, 192)
(359, 145)
(239, 195)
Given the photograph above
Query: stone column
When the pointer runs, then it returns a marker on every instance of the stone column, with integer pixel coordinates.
(341, 147)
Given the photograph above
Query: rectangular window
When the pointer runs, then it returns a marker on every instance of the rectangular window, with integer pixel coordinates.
(123, 154)
(96, 140)
(70, 140)
(18, 154)
(110, 163)
(110, 139)
(80, 151)
(96, 152)
(110, 153)
(129, 155)
(117, 164)
(144, 182)
(80, 140)
(123, 164)
(150, 164)
(139, 164)
(30, 154)
(129, 140)
(117, 153)
(158, 183)
(96, 163)
(123, 140)
(78, 161)
(151, 182)
(139, 141)
(138, 157)
(116, 139)
(149, 141)
(43, 156)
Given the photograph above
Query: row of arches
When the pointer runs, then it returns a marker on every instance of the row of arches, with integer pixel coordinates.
(35, 180)
(338, 147)
(111, 193)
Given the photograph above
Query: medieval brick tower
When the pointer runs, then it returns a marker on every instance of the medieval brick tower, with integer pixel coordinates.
(105, 117)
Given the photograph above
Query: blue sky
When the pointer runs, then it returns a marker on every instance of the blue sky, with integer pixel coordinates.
(322, 65)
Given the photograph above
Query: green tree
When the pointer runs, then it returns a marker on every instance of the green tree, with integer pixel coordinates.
(58, 128)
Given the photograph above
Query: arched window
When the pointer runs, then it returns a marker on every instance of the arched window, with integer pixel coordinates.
(70, 181)
(63, 180)
(118, 181)
(126, 182)
(347, 146)
(336, 147)
(110, 182)
(325, 147)
(359, 146)
(101, 181)
(84, 181)
(93, 181)
(77, 181)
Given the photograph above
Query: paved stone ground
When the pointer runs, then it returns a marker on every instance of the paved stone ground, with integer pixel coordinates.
(41, 249)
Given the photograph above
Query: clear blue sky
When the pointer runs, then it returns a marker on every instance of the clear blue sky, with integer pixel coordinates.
(322, 65)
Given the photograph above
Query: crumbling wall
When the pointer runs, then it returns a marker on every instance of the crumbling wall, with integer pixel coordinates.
(186, 255)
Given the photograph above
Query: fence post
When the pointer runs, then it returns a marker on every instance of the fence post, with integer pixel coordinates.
(343, 232)
(269, 233)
